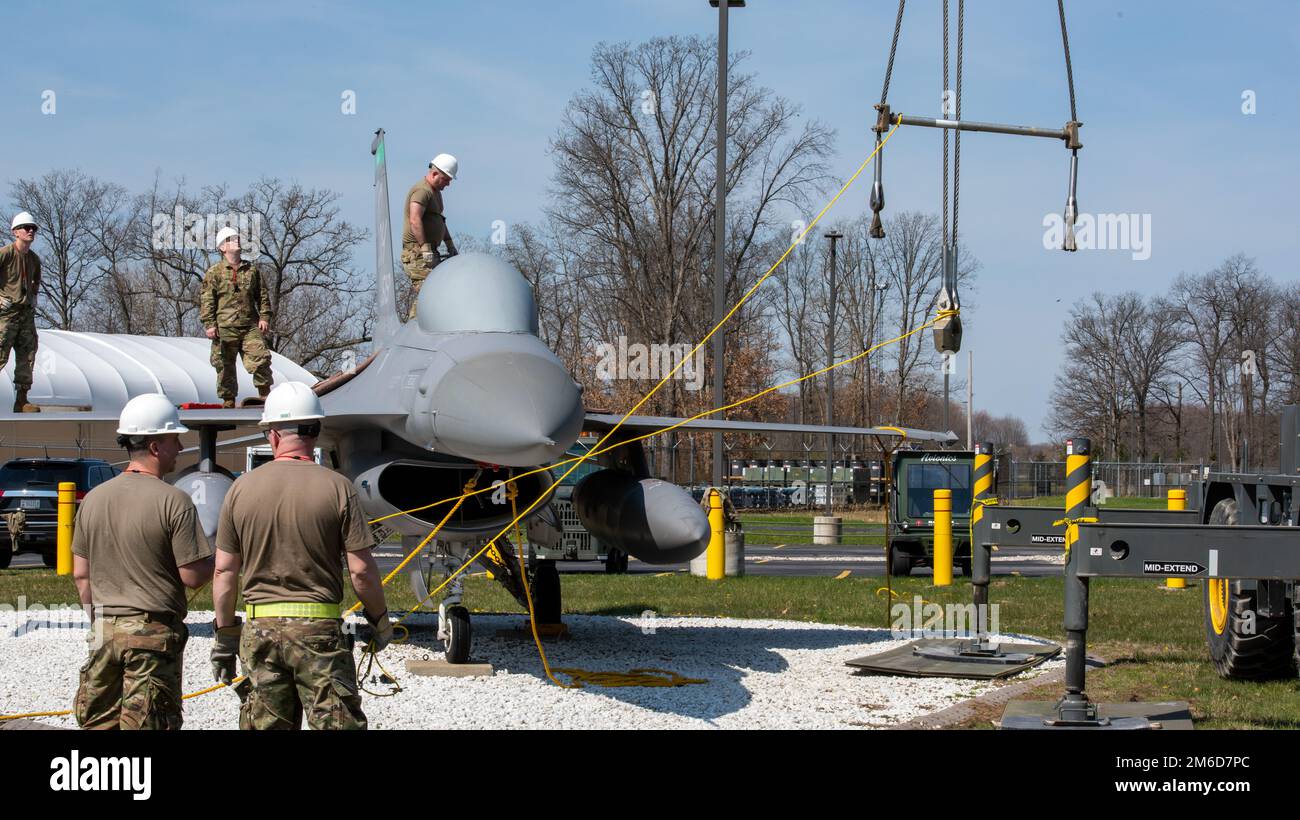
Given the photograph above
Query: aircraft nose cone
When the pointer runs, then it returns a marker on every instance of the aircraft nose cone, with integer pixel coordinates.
(516, 407)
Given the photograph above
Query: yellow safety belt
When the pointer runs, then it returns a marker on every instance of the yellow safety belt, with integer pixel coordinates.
(294, 610)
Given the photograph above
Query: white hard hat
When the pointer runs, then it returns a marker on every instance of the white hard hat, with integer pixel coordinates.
(445, 163)
(291, 401)
(225, 233)
(25, 218)
(150, 414)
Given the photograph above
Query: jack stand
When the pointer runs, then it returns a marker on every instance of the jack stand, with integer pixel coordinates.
(975, 657)
(1075, 710)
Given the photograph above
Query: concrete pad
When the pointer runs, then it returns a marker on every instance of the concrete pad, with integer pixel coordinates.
(442, 669)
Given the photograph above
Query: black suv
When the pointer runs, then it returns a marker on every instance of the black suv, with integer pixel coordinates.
(31, 486)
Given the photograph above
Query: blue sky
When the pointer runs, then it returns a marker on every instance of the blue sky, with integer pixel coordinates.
(233, 91)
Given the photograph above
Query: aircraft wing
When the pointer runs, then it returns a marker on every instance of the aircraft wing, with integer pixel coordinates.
(645, 424)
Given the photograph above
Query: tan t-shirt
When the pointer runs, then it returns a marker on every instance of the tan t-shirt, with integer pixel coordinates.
(20, 275)
(435, 226)
(290, 522)
(135, 530)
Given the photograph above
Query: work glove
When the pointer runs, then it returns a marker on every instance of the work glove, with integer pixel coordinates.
(426, 253)
(380, 632)
(225, 649)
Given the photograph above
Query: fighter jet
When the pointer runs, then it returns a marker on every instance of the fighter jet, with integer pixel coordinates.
(465, 390)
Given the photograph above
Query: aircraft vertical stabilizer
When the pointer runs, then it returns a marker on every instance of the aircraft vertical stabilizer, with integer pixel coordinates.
(387, 321)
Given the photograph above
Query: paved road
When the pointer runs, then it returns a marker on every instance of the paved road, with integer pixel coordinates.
(788, 561)
(804, 560)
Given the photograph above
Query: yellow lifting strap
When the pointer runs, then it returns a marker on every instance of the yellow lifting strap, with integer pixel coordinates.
(1072, 530)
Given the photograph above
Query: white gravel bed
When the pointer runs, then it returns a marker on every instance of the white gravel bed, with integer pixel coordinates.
(761, 674)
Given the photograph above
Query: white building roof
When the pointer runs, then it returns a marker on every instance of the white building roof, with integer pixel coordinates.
(103, 371)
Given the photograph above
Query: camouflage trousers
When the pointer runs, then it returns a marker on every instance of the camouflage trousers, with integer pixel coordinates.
(133, 680)
(299, 666)
(18, 333)
(231, 342)
(418, 270)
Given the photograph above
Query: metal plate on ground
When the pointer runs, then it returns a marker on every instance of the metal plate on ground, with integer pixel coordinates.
(1168, 715)
(938, 658)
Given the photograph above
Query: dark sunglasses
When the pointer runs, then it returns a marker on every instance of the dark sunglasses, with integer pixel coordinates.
(31, 228)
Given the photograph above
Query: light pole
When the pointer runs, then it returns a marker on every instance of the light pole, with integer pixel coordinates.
(834, 236)
(720, 232)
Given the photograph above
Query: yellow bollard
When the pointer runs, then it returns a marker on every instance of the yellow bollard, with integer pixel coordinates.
(943, 538)
(1177, 500)
(67, 511)
(717, 554)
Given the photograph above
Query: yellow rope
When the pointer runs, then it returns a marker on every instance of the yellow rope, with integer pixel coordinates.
(991, 501)
(1072, 530)
(512, 492)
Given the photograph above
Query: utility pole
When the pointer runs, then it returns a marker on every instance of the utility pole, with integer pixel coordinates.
(970, 396)
(834, 236)
(720, 234)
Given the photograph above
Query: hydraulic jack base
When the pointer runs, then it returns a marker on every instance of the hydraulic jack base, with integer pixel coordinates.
(1077, 712)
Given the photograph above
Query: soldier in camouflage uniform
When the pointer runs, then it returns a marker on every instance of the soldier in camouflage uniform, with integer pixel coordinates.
(20, 285)
(425, 228)
(137, 545)
(236, 310)
(284, 531)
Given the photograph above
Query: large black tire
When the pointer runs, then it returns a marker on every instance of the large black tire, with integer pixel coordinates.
(546, 593)
(1267, 652)
(900, 564)
(459, 634)
(6, 555)
(615, 561)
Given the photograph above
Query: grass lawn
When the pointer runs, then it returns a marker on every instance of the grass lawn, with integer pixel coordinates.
(1153, 638)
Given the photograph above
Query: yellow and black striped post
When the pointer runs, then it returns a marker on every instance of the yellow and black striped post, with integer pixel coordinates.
(980, 558)
(1078, 483)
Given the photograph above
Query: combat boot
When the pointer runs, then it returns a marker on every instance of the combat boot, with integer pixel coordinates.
(263, 392)
(228, 404)
(21, 405)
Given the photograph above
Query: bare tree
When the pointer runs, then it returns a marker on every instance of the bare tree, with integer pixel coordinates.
(1091, 393)
(1204, 306)
(1147, 342)
(1004, 432)
(910, 259)
(1284, 351)
(862, 298)
(307, 267)
(633, 189)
